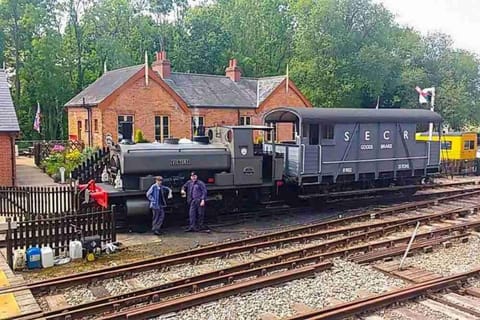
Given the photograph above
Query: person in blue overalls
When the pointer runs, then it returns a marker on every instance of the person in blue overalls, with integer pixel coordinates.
(196, 192)
(157, 195)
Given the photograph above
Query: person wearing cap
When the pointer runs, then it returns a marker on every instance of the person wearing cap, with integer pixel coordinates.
(196, 192)
(157, 195)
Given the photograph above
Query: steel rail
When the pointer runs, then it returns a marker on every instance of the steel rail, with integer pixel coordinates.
(218, 293)
(380, 229)
(110, 304)
(154, 262)
(174, 305)
(343, 310)
(299, 257)
(154, 294)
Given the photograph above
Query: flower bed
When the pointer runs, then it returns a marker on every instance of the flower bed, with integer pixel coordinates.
(61, 157)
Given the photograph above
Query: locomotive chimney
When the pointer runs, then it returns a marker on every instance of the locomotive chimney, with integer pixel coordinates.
(162, 65)
(233, 71)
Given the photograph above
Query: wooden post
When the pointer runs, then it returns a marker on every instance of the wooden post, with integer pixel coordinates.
(409, 245)
(113, 209)
(8, 242)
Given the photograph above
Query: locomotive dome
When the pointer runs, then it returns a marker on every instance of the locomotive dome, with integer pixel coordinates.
(346, 115)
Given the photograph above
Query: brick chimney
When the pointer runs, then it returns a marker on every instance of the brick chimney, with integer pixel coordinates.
(233, 71)
(162, 65)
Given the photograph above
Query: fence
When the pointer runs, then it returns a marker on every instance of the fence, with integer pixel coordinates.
(92, 168)
(27, 202)
(43, 149)
(57, 232)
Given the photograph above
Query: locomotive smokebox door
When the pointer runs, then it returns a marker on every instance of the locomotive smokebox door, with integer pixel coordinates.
(247, 168)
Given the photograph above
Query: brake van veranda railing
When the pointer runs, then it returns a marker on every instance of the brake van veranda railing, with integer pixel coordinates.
(27, 202)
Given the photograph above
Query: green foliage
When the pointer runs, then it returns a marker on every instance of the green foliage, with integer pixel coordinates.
(341, 53)
(139, 137)
(67, 159)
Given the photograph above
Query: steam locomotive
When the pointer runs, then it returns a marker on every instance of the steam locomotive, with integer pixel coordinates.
(331, 150)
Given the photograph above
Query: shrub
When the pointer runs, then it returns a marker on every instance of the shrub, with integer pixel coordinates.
(139, 138)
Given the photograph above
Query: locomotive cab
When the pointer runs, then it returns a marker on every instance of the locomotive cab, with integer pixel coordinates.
(250, 164)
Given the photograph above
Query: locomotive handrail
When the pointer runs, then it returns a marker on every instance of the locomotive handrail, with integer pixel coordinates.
(319, 158)
(302, 146)
(177, 150)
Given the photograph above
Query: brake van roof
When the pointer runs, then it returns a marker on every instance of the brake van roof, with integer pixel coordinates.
(349, 115)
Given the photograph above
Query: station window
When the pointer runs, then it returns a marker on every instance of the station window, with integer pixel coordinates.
(446, 145)
(245, 121)
(95, 125)
(162, 128)
(198, 126)
(469, 145)
(86, 125)
(272, 134)
(124, 118)
(79, 130)
(328, 131)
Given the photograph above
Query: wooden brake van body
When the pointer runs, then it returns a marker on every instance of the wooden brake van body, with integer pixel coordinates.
(350, 146)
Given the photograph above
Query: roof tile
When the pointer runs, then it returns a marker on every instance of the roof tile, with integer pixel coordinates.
(197, 90)
(8, 117)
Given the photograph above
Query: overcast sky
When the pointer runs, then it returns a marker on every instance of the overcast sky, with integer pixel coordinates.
(458, 18)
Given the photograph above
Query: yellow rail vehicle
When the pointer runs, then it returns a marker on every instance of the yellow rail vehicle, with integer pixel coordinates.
(458, 151)
(454, 145)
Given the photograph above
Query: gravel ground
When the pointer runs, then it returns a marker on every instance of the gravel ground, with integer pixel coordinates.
(461, 257)
(393, 314)
(154, 277)
(474, 282)
(343, 281)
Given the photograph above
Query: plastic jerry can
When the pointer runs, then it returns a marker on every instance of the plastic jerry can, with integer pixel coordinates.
(19, 259)
(75, 249)
(47, 257)
(34, 257)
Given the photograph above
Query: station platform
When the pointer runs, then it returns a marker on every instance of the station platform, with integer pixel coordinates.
(14, 303)
(28, 174)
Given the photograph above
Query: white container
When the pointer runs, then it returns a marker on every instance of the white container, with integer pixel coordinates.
(47, 257)
(19, 260)
(75, 249)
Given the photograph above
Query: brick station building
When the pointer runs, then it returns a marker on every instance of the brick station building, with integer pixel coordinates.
(166, 104)
(9, 129)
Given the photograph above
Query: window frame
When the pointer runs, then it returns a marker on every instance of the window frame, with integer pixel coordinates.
(243, 120)
(95, 125)
(446, 145)
(79, 130)
(271, 135)
(468, 145)
(328, 132)
(199, 123)
(161, 128)
(125, 119)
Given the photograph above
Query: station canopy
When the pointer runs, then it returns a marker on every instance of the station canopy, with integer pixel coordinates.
(351, 115)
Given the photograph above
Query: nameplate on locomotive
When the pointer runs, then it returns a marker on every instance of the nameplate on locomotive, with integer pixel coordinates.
(179, 162)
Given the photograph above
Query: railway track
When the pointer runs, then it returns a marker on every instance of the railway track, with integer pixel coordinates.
(245, 245)
(163, 299)
(340, 311)
(291, 260)
(285, 266)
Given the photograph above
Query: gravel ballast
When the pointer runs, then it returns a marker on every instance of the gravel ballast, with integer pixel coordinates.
(344, 281)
